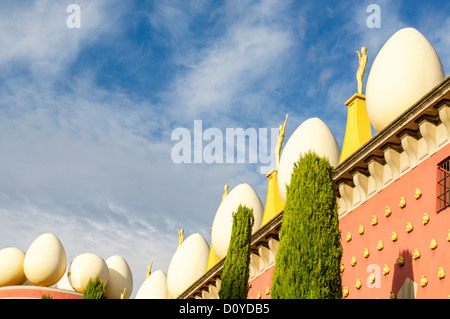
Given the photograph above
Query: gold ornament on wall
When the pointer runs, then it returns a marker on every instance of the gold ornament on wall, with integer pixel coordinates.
(380, 245)
(394, 236)
(345, 292)
(402, 203)
(372, 277)
(425, 219)
(441, 273)
(341, 267)
(392, 295)
(353, 261)
(374, 220)
(423, 281)
(366, 252)
(360, 229)
(416, 254)
(349, 237)
(358, 284)
(418, 193)
(409, 227)
(385, 269)
(433, 244)
(388, 211)
(400, 261)
(448, 235)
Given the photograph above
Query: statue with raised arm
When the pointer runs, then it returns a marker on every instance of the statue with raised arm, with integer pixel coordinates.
(180, 237)
(361, 68)
(280, 141)
(149, 272)
(225, 193)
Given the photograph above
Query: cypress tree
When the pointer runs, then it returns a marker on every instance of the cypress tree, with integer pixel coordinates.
(309, 252)
(236, 270)
(94, 289)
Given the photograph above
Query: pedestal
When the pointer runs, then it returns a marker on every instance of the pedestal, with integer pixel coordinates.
(358, 129)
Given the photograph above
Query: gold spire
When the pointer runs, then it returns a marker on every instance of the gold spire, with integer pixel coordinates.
(361, 69)
(225, 193)
(274, 203)
(280, 141)
(149, 272)
(180, 237)
(358, 129)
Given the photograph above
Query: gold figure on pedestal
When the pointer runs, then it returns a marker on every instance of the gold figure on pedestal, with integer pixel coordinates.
(225, 193)
(280, 142)
(149, 272)
(361, 69)
(180, 237)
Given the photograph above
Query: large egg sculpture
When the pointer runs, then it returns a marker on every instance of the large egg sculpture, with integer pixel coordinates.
(45, 260)
(313, 134)
(64, 283)
(154, 287)
(120, 278)
(405, 69)
(223, 221)
(188, 264)
(84, 267)
(11, 267)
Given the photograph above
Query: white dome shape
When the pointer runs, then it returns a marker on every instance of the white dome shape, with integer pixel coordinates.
(119, 278)
(405, 69)
(187, 265)
(11, 267)
(223, 221)
(45, 260)
(313, 134)
(154, 287)
(84, 267)
(64, 283)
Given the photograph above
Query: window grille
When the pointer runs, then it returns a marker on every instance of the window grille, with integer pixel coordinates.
(443, 185)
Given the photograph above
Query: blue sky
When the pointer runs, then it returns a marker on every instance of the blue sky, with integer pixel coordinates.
(86, 115)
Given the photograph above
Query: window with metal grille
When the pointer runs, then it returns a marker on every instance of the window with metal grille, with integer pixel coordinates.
(443, 199)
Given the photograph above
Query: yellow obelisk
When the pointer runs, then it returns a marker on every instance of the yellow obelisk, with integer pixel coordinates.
(274, 203)
(358, 129)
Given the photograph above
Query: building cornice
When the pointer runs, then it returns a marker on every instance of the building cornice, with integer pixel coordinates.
(415, 135)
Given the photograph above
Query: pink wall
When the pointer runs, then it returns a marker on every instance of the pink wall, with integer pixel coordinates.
(260, 283)
(36, 292)
(423, 177)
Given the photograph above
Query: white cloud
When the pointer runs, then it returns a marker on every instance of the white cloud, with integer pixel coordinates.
(246, 52)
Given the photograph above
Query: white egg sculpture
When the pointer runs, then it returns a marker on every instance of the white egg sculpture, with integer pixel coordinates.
(223, 221)
(119, 278)
(45, 260)
(313, 134)
(84, 267)
(64, 283)
(154, 287)
(11, 267)
(405, 69)
(188, 264)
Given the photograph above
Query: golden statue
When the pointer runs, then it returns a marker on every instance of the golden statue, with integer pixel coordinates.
(149, 272)
(361, 69)
(280, 141)
(180, 237)
(225, 193)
